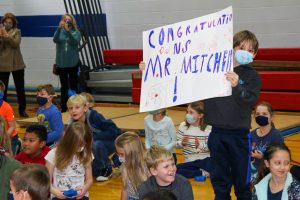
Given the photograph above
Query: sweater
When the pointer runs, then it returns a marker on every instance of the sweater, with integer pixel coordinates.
(234, 112)
(181, 187)
(162, 133)
(7, 167)
(291, 190)
(261, 143)
(39, 159)
(11, 58)
(67, 52)
(103, 129)
(190, 151)
(53, 122)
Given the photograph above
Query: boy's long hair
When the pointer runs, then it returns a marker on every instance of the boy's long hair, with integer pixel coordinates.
(32, 178)
(198, 106)
(77, 135)
(134, 169)
(4, 137)
(268, 155)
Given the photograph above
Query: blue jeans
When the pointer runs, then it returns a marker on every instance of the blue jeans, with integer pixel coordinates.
(14, 143)
(102, 149)
(192, 169)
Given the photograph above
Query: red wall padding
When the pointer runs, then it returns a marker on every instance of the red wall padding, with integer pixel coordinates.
(278, 54)
(282, 100)
(280, 80)
(123, 56)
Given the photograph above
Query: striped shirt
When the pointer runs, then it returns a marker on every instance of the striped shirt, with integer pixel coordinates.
(190, 151)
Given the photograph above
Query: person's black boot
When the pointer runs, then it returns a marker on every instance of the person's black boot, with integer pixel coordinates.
(22, 113)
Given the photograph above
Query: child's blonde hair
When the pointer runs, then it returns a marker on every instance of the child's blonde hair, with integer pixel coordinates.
(4, 137)
(134, 168)
(89, 97)
(76, 135)
(76, 99)
(157, 154)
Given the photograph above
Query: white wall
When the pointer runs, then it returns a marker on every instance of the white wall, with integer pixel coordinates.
(38, 53)
(275, 22)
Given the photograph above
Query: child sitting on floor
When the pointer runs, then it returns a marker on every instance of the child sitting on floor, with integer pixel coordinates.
(30, 182)
(160, 130)
(48, 114)
(160, 163)
(34, 145)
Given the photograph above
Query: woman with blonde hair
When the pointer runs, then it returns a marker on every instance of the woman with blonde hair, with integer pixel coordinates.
(132, 154)
(67, 38)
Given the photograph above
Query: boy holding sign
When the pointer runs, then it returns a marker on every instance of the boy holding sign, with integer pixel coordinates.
(229, 142)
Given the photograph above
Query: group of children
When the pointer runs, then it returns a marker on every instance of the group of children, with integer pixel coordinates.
(221, 150)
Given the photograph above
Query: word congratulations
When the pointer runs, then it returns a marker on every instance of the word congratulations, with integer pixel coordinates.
(169, 34)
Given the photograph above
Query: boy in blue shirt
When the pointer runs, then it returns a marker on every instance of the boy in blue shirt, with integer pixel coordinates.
(48, 114)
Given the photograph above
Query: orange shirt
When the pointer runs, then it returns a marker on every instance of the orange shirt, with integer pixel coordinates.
(7, 113)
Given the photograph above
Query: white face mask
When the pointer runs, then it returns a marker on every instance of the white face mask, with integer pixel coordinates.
(122, 159)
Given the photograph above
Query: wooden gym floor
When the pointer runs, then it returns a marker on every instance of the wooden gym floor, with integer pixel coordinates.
(127, 117)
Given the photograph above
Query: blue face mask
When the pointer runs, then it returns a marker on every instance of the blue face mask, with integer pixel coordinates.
(243, 57)
(190, 119)
(262, 120)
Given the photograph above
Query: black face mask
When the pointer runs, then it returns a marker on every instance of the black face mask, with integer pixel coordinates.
(41, 100)
(262, 120)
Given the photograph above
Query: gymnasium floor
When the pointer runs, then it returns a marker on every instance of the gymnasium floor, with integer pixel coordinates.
(127, 117)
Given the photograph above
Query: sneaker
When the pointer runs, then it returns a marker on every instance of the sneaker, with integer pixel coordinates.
(205, 173)
(105, 175)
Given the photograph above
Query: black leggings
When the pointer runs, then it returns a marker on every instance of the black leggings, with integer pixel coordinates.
(18, 77)
(68, 79)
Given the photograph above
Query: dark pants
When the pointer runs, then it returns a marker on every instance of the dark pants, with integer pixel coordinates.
(18, 77)
(102, 149)
(230, 153)
(68, 79)
(15, 144)
(295, 171)
(192, 169)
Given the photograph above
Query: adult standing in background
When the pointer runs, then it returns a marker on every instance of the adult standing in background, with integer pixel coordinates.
(67, 38)
(11, 60)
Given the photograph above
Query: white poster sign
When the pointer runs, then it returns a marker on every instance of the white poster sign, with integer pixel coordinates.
(186, 61)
